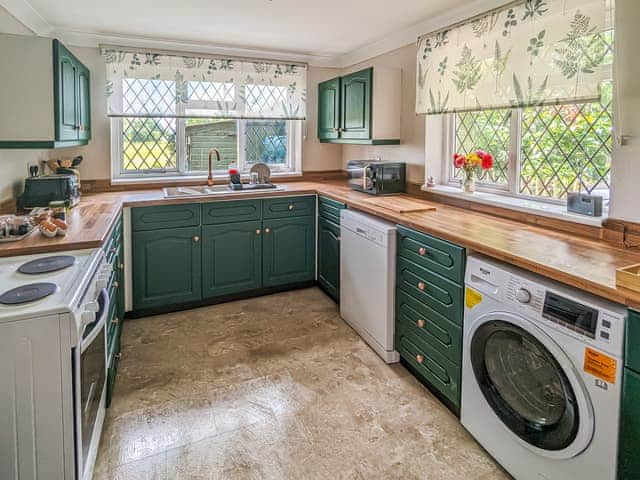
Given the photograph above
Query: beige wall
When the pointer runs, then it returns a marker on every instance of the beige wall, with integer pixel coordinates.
(411, 148)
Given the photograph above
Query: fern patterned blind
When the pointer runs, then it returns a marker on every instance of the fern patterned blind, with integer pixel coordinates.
(147, 84)
(531, 53)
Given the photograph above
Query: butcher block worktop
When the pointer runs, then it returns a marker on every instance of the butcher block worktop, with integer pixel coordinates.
(584, 263)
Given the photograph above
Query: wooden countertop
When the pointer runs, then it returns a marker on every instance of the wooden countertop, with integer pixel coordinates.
(587, 264)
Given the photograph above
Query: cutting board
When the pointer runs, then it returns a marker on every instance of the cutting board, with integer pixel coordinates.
(400, 204)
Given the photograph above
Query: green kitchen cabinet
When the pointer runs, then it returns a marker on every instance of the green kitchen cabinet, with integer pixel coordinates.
(48, 105)
(114, 254)
(628, 459)
(288, 251)
(329, 257)
(329, 109)
(167, 267)
(231, 258)
(355, 96)
(362, 107)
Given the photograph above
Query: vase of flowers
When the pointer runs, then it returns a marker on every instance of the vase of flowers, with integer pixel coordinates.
(472, 163)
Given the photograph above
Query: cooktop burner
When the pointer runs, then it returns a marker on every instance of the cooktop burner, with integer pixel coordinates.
(47, 264)
(27, 293)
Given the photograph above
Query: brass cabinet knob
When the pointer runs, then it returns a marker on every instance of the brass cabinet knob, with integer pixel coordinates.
(421, 286)
(257, 231)
(267, 230)
(116, 284)
(290, 207)
(422, 251)
(121, 266)
(115, 320)
(196, 238)
(113, 250)
(420, 323)
(119, 355)
(419, 359)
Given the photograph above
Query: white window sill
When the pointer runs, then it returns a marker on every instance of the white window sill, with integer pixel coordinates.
(544, 209)
(138, 179)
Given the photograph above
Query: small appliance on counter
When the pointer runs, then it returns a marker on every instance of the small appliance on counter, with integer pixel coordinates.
(377, 178)
(40, 191)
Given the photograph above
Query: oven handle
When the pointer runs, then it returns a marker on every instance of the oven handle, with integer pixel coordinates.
(101, 321)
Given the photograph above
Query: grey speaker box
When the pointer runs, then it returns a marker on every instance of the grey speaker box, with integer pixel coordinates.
(584, 204)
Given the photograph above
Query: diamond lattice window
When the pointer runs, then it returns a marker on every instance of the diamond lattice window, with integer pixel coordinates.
(201, 91)
(263, 98)
(148, 97)
(148, 144)
(490, 131)
(266, 142)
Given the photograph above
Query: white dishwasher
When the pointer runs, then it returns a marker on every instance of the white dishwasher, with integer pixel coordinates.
(367, 279)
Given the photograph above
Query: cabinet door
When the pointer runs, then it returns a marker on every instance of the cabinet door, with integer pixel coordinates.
(356, 105)
(629, 461)
(231, 258)
(288, 251)
(84, 103)
(166, 267)
(329, 109)
(329, 257)
(65, 93)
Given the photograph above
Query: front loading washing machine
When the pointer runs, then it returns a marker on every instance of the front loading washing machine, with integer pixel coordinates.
(541, 372)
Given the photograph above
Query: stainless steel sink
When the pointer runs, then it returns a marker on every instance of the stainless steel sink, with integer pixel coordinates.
(221, 190)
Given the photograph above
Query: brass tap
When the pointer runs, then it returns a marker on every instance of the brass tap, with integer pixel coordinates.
(210, 177)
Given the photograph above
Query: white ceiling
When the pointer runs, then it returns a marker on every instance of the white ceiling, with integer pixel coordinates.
(320, 29)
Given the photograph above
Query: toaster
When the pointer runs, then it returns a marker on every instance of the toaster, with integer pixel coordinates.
(40, 191)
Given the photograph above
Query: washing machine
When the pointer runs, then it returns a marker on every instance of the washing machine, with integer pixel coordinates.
(541, 374)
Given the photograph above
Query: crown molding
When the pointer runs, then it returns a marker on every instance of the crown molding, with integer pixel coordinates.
(91, 39)
(409, 35)
(28, 16)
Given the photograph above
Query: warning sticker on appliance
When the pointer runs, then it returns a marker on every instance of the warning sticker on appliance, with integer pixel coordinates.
(600, 365)
(472, 298)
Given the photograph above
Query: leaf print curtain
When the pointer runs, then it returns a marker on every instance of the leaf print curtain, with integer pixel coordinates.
(535, 53)
(147, 84)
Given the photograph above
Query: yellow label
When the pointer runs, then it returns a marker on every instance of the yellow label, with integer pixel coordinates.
(472, 298)
(600, 365)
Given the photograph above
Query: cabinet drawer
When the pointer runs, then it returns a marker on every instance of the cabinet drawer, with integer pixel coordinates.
(330, 209)
(231, 212)
(169, 216)
(632, 356)
(432, 367)
(428, 327)
(288, 207)
(432, 253)
(431, 289)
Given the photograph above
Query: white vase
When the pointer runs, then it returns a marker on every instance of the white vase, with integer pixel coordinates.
(469, 183)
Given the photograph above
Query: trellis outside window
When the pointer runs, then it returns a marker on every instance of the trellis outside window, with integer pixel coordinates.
(168, 112)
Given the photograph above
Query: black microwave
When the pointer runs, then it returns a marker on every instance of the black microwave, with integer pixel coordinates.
(377, 178)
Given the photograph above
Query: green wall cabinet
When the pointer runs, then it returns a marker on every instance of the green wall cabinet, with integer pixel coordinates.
(49, 104)
(231, 258)
(167, 267)
(288, 250)
(628, 458)
(362, 107)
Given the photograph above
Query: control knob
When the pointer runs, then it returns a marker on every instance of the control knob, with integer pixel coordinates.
(523, 295)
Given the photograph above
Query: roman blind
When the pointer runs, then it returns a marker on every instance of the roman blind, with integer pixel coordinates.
(150, 84)
(527, 53)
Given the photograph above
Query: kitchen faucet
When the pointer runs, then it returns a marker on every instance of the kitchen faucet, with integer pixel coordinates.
(210, 177)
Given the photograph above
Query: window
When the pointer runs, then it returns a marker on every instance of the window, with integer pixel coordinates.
(542, 152)
(175, 138)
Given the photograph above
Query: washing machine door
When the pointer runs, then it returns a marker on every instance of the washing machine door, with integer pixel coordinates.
(531, 385)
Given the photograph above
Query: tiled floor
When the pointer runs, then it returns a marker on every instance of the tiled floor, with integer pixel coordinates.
(277, 387)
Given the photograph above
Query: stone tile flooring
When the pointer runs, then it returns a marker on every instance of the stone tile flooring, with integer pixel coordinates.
(277, 387)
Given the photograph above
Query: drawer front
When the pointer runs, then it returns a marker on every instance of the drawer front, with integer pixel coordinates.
(168, 216)
(440, 256)
(427, 326)
(436, 292)
(288, 207)
(432, 367)
(330, 209)
(632, 356)
(233, 211)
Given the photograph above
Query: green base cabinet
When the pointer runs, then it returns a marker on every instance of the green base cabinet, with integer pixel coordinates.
(329, 257)
(628, 458)
(288, 251)
(114, 253)
(430, 309)
(231, 258)
(167, 267)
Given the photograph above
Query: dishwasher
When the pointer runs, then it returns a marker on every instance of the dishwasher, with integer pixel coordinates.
(367, 279)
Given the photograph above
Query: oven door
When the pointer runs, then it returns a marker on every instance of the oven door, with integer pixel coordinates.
(90, 381)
